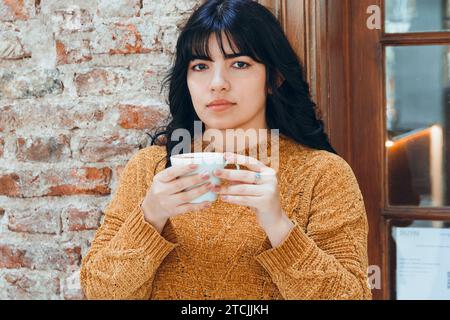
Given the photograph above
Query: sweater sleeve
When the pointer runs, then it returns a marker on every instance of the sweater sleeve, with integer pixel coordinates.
(327, 260)
(126, 251)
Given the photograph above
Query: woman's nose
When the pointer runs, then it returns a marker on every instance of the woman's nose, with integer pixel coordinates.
(219, 81)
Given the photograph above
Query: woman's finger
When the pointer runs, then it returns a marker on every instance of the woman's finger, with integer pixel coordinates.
(241, 189)
(174, 172)
(187, 196)
(250, 162)
(182, 183)
(246, 176)
(250, 201)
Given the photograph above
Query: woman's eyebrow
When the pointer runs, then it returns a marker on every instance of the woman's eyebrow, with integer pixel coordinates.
(227, 56)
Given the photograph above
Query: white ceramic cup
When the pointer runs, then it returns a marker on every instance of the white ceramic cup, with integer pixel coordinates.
(207, 162)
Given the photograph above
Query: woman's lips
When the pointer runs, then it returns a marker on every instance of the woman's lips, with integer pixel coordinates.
(221, 107)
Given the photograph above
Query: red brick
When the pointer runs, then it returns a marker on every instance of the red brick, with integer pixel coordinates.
(118, 170)
(39, 257)
(71, 287)
(61, 53)
(120, 38)
(65, 190)
(39, 149)
(77, 52)
(13, 47)
(78, 118)
(140, 117)
(100, 149)
(61, 116)
(25, 284)
(72, 20)
(11, 257)
(30, 83)
(97, 82)
(73, 256)
(2, 146)
(119, 8)
(163, 8)
(152, 81)
(13, 10)
(80, 181)
(129, 40)
(9, 185)
(9, 119)
(37, 220)
(56, 182)
(74, 219)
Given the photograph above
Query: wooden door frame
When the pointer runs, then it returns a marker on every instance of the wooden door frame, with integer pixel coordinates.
(334, 44)
(367, 129)
(318, 32)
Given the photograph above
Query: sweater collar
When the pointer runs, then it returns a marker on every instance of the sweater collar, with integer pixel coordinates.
(257, 151)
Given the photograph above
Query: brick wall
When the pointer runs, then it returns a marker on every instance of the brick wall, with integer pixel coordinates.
(79, 89)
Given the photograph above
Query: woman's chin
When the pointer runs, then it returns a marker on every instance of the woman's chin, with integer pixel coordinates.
(219, 125)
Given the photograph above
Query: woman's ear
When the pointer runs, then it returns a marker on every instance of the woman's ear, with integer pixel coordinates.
(279, 82)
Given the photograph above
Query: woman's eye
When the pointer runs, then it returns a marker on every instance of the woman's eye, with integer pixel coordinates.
(195, 67)
(243, 65)
(246, 64)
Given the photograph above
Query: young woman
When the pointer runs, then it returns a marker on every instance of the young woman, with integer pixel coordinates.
(298, 232)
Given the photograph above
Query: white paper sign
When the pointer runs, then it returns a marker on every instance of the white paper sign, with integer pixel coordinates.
(423, 263)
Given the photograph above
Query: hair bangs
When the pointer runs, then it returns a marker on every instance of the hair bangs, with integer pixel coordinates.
(196, 44)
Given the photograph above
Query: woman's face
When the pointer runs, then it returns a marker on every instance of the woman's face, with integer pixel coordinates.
(240, 80)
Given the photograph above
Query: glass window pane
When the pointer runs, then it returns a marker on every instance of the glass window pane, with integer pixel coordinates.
(417, 15)
(417, 117)
(420, 260)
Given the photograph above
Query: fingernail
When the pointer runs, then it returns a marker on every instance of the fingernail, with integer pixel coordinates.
(204, 174)
(193, 166)
(218, 172)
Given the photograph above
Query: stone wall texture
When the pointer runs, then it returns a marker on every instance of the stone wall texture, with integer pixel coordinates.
(80, 88)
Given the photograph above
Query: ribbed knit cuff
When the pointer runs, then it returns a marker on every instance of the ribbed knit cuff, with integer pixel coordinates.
(293, 249)
(136, 233)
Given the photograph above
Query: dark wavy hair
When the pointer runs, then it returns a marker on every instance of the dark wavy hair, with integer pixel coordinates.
(257, 33)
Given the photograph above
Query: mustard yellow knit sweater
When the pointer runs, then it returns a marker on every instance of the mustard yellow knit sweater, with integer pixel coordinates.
(222, 252)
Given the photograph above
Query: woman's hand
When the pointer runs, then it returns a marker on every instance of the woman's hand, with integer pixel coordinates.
(166, 198)
(258, 189)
